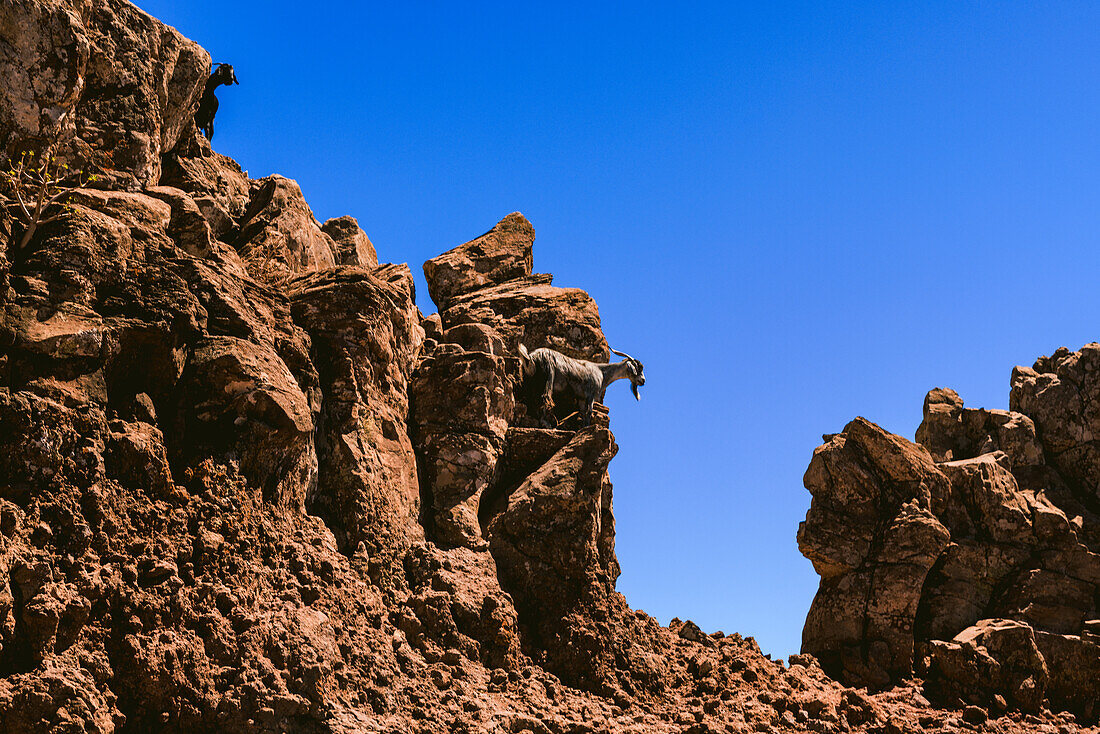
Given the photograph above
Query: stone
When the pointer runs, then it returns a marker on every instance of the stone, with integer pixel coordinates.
(461, 406)
(365, 333)
(278, 232)
(1057, 394)
(532, 311)
(137, 458)
(554, 550)
(239, 402)
(222, 497)
(872, 535)
(991, 657)
(951, 432)
(1013, 561)
(353, 247)
(502, 254)
(119, 79)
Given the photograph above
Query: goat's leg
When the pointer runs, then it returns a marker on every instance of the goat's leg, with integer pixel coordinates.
(588, 412)
(547, 406)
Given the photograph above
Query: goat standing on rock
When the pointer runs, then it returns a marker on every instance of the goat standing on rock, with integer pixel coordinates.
(208, 105)
(577, 378)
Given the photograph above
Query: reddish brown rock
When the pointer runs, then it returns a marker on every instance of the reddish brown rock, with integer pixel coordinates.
(872, 535)
(555, 552)
(365, 332)
(145, 595)
(502, 254)
(353, 247)
(537, 314)
(125, 82)
(239, 403)
(994, 657)
(278, 232)
(219, 186)
(136, 457)
(1015, 543)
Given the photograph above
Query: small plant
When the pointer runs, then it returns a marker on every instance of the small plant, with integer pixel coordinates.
(264, 265)
(37, 186)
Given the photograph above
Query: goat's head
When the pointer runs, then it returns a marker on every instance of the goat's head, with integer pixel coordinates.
(634, 372)
(224, 74)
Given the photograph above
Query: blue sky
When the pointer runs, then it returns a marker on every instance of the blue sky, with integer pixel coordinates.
(793, 212)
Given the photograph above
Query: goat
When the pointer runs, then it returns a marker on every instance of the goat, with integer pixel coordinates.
(582, 379)
(208, 105)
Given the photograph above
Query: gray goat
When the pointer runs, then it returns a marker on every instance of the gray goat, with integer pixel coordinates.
(578, 378)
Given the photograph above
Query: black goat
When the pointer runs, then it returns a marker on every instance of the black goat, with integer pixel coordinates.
(208, 105)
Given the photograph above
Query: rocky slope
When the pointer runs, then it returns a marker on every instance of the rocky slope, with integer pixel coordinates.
(245, 486)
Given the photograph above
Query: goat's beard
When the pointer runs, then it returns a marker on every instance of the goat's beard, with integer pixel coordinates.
(634, 389)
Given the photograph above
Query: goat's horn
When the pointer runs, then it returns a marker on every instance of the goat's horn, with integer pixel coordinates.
(623, 354)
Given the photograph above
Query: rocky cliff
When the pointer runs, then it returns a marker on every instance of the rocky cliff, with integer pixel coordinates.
(969, 558)
(246, 486)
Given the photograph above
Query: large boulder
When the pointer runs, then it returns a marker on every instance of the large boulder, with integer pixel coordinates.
(353, 247)
(1000, 525)
(503, 253)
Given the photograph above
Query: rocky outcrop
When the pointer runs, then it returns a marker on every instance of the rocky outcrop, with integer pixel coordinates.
(278, 233)
(123, 81)
(488, 281)
(353, 247)
(969, 558)
(503, 253)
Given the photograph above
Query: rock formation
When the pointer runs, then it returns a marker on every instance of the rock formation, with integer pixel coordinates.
(969, 558)
(245, 486)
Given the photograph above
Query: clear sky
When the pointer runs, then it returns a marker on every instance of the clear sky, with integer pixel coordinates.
(793, 212)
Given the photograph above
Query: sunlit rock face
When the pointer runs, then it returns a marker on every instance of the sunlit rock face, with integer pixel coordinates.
(969, 558)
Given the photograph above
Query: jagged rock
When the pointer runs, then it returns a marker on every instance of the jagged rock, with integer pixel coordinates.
(136, 457)
(365, 330)
(188, 226)
(872, 536)
(353, 247)
(57, 696)
(555, 554)
(134, 598)
(993, 657)
(457, 596)
(219, 186)
(1073, 665)
(1017, 529)
(43, 67)
(278, 230)
(475, 338)
(502, 254)
(1058, 393)
(239, 402)
(532, 311)
(43, 442)
(951, 432)
(134, 82)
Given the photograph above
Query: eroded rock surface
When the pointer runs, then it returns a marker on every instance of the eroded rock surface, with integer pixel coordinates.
(982, 536)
